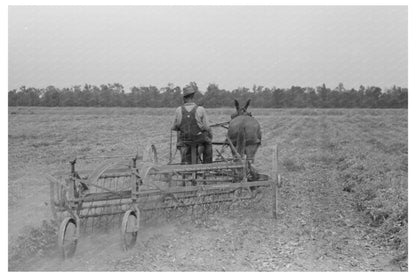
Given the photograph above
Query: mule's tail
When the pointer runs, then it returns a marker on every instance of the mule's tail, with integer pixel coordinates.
(241, 140)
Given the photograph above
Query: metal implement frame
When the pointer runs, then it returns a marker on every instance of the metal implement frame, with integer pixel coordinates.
(209, 182)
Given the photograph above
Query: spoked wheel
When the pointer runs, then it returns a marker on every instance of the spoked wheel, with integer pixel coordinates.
(68, 237)
(129, 229)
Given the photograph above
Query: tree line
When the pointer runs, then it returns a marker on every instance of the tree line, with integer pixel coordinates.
(114, 95)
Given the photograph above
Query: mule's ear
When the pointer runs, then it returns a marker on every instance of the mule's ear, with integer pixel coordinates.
(248, 103)
(236, 104)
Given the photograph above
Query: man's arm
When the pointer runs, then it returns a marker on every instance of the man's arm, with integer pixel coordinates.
(202, 119)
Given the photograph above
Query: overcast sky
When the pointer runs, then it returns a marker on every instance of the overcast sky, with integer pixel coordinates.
(231, 46)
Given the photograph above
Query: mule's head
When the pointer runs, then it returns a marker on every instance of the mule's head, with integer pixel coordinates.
(241, 110)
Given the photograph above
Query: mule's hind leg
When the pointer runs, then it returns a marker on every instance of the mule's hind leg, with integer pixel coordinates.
(251, 152)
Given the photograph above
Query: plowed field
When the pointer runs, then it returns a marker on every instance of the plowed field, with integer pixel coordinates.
(342, 204)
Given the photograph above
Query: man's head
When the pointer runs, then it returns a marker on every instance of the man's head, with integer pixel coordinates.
(188, 93)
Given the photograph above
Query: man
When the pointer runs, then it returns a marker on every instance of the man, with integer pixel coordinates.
(191, 122)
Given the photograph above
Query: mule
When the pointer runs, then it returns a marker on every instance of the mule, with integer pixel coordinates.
(244, 132)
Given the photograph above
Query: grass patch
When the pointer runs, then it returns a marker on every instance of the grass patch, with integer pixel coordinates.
(323, 159)
(337, 112)
(40, 144)
(305, 112)
(292, 166)
(22, 137)
(394, 148)
(39, 242)
(380, 193)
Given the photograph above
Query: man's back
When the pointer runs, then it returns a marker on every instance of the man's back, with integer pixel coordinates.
(200, 116)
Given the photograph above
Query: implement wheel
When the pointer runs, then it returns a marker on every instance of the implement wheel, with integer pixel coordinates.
(68, 237)
(129, 229)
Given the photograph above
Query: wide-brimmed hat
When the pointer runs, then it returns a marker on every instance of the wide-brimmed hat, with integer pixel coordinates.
(188, 91)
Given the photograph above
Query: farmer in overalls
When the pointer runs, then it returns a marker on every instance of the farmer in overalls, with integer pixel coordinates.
(194, 133)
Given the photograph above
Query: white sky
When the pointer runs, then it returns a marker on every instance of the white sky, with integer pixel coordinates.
(231, 46)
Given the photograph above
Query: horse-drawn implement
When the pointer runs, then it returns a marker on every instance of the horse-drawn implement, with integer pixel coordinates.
(127, 188)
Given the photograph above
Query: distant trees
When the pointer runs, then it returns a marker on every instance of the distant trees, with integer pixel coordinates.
(24, 97)
(114, 95)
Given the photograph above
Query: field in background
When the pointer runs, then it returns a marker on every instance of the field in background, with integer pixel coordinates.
(344, 172)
